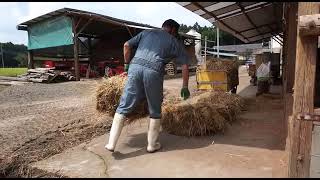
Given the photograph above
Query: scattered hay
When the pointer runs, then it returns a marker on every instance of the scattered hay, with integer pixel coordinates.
(108, 96)
(205, 114)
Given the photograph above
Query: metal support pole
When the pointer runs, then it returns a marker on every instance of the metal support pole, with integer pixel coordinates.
(218, 41)
(205, 49)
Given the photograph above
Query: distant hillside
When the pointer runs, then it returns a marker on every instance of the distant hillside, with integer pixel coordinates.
(14, 55)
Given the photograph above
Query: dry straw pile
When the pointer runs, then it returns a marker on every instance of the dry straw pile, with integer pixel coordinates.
(202, 114)
(218, 64)
(108, 95)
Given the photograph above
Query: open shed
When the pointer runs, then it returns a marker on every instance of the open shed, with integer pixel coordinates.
(80, 35)
(297, 25)
(74, 34)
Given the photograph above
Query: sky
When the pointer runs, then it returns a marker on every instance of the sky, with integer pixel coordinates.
(153, 13)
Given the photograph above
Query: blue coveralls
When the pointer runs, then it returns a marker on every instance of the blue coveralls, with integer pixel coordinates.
(155, 48)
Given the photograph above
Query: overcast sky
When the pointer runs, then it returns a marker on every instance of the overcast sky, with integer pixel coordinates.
(153, 13)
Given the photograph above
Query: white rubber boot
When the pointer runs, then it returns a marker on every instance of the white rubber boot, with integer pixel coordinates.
(153, 134)
(115, 131)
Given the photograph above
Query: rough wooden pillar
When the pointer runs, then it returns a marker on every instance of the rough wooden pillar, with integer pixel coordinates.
(290, 38)
(306, 51)
(291, 48)
(75, 50)
(30, 60)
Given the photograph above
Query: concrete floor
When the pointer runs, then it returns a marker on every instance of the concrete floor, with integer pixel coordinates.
(252, 147)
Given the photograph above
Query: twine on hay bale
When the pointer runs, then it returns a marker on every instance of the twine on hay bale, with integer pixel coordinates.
(202, 114)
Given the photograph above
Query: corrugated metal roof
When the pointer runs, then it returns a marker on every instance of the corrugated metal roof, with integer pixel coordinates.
(75, 12)
(248, 21)
(97, 17)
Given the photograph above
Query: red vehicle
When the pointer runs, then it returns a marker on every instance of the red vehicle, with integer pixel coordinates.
(110, 67)
(102, 68)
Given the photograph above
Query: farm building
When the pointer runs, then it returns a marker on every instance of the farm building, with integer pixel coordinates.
(81, 40)
(297, 24)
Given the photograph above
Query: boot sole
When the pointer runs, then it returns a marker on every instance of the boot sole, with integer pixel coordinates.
(109, 149)
(154, 150)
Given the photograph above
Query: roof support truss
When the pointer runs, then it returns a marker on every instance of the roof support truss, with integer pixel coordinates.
(249, 19)
(214, 16)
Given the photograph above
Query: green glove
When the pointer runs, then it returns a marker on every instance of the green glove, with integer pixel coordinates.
(185, 94)
(126, 67)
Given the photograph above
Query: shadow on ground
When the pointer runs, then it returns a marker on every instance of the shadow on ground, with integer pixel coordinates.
(169, 143)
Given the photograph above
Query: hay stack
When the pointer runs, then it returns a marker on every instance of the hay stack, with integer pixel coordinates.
(218, 64)
(229, 66)
(108, 95)
(200, 115)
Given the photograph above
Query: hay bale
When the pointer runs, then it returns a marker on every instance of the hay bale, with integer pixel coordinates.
(219, 64)
(205, 114)
(108, 95)
(229, 66)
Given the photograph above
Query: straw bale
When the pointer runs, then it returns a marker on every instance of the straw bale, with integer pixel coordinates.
(205, 114)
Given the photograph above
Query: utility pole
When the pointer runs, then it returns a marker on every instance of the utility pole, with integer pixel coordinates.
(218, 41)
(2, 56)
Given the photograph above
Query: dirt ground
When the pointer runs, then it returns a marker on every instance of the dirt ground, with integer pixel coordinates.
(40, 120)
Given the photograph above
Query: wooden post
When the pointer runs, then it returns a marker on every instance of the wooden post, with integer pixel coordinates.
(30, 60)
(91, 63)
(75, 50)
(290, 38)
(291, 48)
(306, 53)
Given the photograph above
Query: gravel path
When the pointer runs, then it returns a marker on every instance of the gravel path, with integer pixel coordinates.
(31, 110)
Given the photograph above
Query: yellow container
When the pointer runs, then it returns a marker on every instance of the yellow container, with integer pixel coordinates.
(215, 80)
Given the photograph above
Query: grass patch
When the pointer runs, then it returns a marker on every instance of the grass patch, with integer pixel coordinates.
(12, 72)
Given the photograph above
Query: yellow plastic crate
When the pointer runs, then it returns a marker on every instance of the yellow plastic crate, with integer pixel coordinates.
(212, 80)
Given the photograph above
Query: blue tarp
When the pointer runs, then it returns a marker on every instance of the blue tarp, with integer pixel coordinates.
(50, 33)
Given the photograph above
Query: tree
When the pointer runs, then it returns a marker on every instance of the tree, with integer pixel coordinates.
(22, 59)
(11, 54)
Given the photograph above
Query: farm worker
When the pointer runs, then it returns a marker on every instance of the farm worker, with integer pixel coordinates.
(154, 49)
(263, 77)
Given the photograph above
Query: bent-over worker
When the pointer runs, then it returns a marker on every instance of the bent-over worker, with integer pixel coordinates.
(154, 49)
